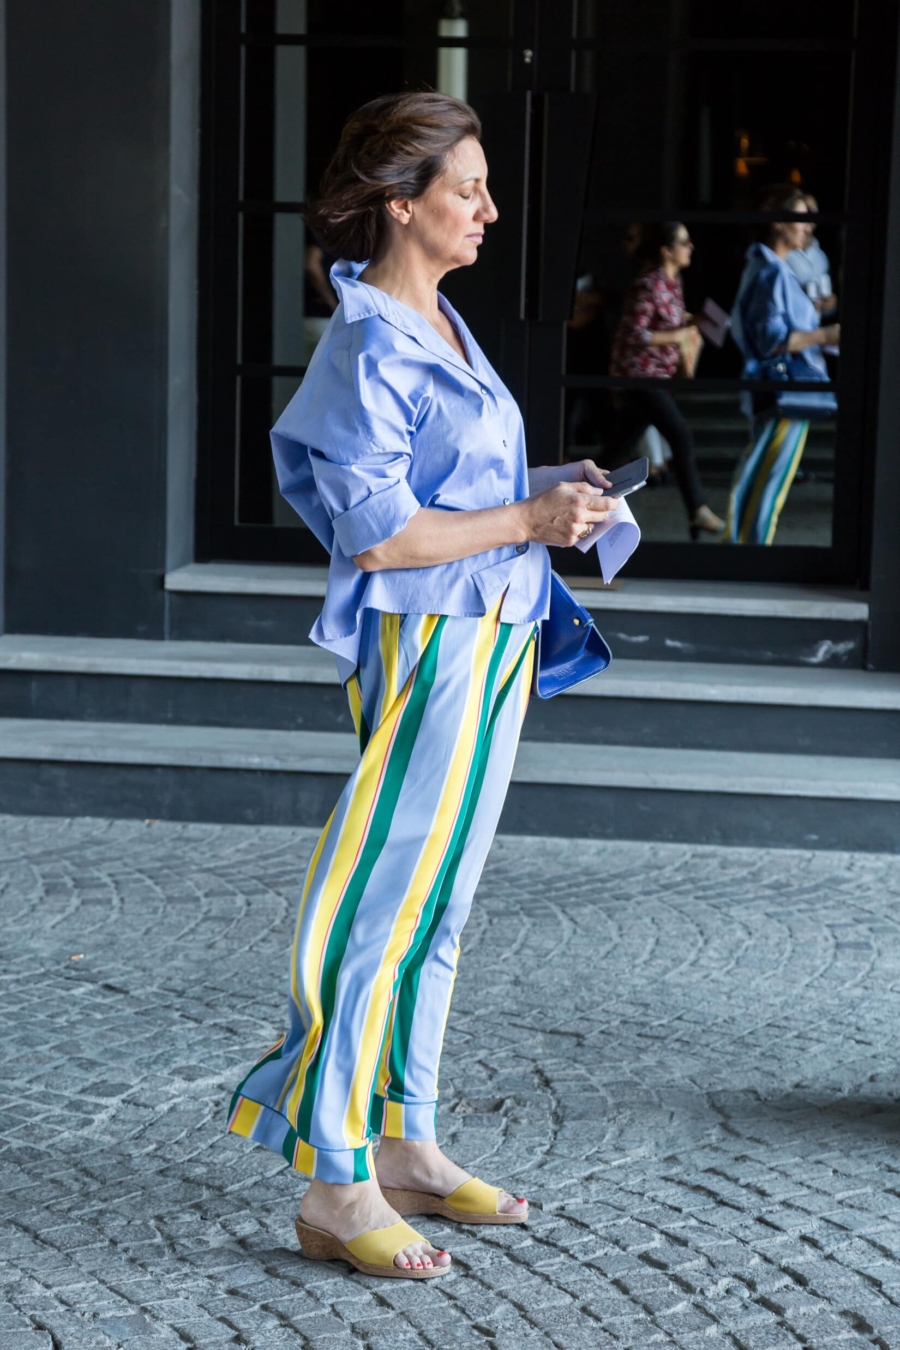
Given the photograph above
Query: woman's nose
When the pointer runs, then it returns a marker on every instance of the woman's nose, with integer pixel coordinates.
(488, 212)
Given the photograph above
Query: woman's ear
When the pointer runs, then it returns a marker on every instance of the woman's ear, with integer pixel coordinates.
(399, 209)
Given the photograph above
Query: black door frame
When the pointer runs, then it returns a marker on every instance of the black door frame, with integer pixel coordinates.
(549, 197)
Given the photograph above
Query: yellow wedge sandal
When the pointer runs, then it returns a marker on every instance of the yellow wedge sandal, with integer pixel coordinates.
(372, 1253)
(472, 1202)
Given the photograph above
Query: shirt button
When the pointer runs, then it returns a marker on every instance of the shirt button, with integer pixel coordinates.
(520, 548)
(505, 499)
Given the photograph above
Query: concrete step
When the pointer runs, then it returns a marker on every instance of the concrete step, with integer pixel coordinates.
(276, 777)
(743, 622)
(681, 705)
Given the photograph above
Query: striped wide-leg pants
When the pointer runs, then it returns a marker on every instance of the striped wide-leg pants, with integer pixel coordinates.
(438, 704)
(763, 480)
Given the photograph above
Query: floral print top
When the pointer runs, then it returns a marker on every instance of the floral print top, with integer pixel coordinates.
(654, 303)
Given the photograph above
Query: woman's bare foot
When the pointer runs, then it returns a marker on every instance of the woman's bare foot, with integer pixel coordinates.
(419, 1165)
(348, 1211)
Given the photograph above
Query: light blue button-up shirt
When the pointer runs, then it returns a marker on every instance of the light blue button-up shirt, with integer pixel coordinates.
(389, 418)
(770, 305)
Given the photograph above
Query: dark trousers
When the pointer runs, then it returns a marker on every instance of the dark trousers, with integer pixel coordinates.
(643, 408)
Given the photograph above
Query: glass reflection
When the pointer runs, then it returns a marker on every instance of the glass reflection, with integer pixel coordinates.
(657, 305)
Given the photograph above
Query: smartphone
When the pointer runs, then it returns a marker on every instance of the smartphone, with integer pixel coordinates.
(628, 478)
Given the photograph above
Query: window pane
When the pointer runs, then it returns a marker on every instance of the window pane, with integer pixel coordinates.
(759, 118)
(603, 340)
(387, 18)
(784, 19)
(712, 129)
(629, 165)
(644, 22)
(737, 20)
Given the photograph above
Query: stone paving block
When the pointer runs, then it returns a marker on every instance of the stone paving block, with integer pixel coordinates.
(687, 1067)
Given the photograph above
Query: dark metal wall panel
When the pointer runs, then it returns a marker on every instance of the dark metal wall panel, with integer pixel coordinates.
(88, 162)
(884, 634)
(2, 317)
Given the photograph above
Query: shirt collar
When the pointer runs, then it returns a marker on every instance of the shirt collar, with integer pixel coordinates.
(764, 254)
(362, 301)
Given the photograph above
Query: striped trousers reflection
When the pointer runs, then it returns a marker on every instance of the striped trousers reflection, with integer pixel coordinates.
(763, 480)
(438, 704)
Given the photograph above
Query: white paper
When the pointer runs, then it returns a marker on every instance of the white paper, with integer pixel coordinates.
(616, 539)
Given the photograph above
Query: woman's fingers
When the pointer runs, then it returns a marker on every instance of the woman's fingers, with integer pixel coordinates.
(592, 501)
(566, 512)
(593, 475)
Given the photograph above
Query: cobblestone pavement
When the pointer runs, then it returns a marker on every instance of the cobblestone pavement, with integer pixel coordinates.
(686, 1057)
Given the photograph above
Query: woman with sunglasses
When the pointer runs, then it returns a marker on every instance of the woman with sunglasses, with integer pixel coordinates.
(657, 340)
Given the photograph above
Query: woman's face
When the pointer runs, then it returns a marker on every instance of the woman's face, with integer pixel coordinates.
(682, 249)
(448, 220)
(794, 233)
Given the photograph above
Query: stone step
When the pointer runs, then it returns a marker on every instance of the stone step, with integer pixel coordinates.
(681, 705)
(261, 776)
(743, 622)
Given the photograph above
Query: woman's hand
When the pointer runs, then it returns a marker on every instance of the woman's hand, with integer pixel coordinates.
(829, 336)
(546, 476)
(691, 346)
(565, 513)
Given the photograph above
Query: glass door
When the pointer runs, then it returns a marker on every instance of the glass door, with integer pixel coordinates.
(723, 128)
(604, 122)
(280, 78)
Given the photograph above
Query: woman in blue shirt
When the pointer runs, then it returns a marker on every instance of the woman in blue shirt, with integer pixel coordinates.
(404, 453)
(777, 328)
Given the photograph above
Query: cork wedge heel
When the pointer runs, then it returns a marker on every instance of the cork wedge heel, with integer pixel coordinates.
(472, 1202)
(371, 1253)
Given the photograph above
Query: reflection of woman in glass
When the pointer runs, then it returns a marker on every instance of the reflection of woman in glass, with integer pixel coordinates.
(777, 328)
(657, 339)
(812, 268)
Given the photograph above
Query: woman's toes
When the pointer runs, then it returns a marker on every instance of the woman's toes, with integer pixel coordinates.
(442, 1258)
(510, 1205)
(402, 1260)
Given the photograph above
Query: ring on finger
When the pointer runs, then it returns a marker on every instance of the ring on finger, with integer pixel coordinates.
(584, 534)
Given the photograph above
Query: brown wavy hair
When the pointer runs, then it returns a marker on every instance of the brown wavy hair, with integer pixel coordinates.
(394, 146)
(780, 197)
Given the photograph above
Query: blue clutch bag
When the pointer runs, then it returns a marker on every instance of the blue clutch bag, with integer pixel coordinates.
(569, 647)
(803, 404)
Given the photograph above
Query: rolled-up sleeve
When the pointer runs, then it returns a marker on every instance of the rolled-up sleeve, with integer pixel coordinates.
(369, 499)
(361, 467)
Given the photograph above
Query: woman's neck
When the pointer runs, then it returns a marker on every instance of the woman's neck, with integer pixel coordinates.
(780, 247)
(671, 270)
(409, 280)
